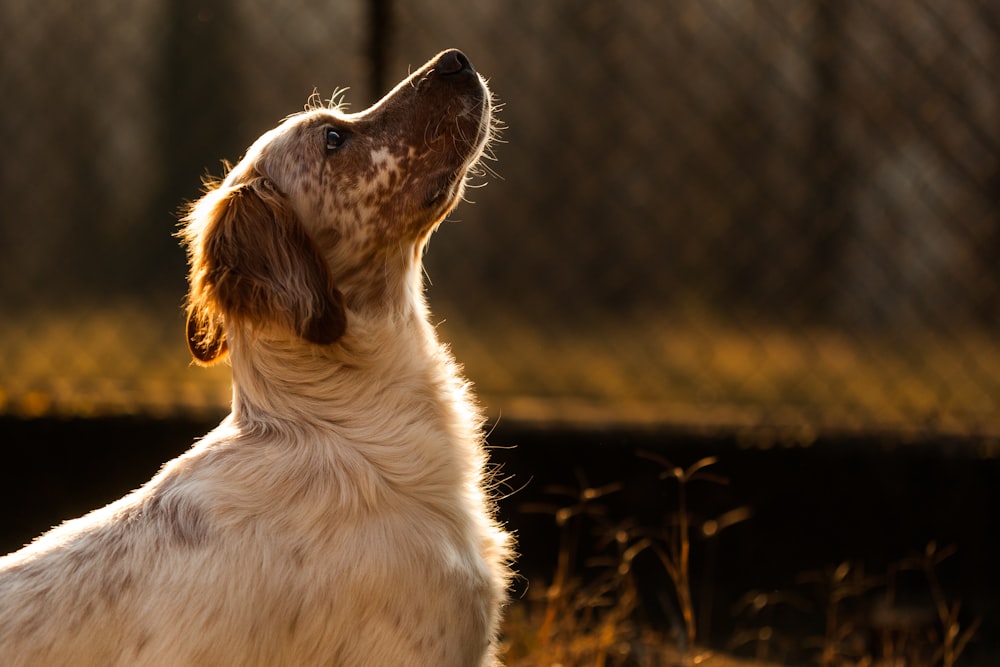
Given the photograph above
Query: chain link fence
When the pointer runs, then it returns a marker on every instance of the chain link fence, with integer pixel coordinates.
(779, 219)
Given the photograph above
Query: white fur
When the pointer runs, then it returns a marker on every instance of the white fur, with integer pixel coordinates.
(339, 514)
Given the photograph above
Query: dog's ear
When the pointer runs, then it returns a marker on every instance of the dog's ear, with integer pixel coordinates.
(253, 262)
(206, 338)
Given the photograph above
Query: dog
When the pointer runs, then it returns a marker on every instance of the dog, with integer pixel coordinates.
(343, 513)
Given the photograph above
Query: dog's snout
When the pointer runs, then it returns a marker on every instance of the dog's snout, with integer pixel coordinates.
(452, 62)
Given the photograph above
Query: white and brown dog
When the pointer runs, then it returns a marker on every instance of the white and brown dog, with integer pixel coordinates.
(341, 514)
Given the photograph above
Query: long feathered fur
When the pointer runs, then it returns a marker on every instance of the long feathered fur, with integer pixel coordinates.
(341, 514)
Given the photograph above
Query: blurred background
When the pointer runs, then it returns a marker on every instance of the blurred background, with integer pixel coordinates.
(720, 215)
(733, 223)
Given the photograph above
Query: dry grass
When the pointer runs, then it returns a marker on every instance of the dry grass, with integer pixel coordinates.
(574, 622)
(688, 370)
(598, 620)
(129, 358)
(698, 372)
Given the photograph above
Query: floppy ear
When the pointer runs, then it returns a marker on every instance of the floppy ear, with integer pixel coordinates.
(206, 338)
(252, 262)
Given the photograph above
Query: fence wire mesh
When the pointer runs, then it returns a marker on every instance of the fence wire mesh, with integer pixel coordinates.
(780, 218)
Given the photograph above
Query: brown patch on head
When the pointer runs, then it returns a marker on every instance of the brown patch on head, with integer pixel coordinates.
(252, 261)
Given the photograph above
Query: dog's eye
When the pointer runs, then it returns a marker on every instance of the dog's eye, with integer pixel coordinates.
(334, 139)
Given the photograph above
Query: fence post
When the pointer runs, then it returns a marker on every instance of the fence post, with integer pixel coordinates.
(379, 29)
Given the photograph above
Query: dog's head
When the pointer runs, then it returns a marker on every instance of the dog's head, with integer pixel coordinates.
(324, 207)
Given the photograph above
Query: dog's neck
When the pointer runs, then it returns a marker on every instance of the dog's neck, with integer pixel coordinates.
(426, 426)
(383, 356)
(387, 282)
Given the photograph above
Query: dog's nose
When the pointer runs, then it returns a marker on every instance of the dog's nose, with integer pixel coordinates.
(452, 62)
